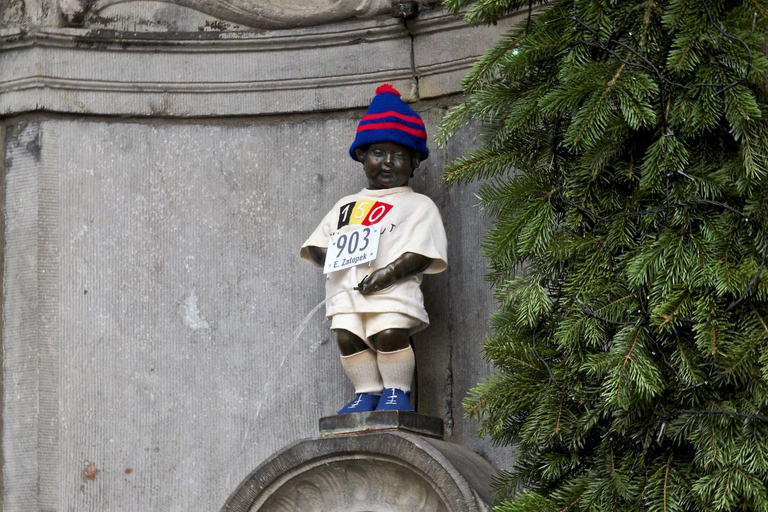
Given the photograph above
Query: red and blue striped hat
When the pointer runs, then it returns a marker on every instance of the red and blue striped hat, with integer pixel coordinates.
(389, 119)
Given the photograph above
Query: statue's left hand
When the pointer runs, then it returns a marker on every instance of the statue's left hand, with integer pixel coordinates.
(381, 279)
(406, 265)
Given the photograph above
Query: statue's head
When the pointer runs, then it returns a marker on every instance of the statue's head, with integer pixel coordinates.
(393, 129)
(387, 165)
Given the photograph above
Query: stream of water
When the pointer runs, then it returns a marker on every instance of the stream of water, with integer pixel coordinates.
(291, 346)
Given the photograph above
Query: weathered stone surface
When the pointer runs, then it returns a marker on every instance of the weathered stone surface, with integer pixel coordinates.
(29, 14)
(393, 472)
(30, 347)
(202, 74)
(376, 421)
(439, 62)
(205, 73)
(269, 14)
(12, 12)
(152, 288)
(194, 15)
(251, 13)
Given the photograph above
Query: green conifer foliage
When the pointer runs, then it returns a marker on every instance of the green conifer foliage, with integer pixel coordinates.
(625, 166)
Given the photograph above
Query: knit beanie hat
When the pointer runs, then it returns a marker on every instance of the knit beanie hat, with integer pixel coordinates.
(389, 119)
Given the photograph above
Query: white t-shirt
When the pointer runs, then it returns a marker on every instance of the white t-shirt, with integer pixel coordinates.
(408, 222)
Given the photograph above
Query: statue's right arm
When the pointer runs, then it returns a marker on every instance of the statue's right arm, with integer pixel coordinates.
(317, 254)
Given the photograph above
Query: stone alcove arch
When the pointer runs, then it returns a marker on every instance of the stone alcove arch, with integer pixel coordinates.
(381, 472)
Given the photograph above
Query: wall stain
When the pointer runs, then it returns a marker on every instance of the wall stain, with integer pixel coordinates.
(34, 146)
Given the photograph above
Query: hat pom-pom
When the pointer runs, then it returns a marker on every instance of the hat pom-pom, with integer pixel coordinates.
(387, 88)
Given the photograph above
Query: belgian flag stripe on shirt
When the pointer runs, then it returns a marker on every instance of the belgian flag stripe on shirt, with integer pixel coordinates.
(365, 212)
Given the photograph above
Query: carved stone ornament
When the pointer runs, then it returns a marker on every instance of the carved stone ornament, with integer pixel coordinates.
(272, 14)
(383, 472)
(363, 484)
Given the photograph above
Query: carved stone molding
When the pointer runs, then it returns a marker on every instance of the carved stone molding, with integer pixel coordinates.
(202, 74)
(205, 74)
(393, 472)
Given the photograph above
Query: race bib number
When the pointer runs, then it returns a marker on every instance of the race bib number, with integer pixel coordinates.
(352, 248)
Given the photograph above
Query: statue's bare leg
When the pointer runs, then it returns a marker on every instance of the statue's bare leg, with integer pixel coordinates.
(390, 340)
(349, 343)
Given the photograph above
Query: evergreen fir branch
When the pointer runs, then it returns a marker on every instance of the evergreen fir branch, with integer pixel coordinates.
(486, 69)
(487, 12)
(729, 36)
(748, 354)
(684, 57)
(593, 314)
(762, 321)
(645, 64)
(475, 405)
(754, 157)
(723, 486)
(733, 414)
(544, 363)
(669, 315)
(704, 202)
(478, 165)
(456, 117)
(627, 150)
(590, 121)
(689, 367)
(668, 364)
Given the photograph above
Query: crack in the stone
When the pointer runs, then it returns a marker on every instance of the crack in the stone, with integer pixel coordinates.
(407, 25)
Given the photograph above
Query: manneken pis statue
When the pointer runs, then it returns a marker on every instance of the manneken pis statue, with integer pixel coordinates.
(375, 306)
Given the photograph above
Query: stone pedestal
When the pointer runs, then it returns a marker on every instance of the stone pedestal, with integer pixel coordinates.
(381, 421)
(389, 471)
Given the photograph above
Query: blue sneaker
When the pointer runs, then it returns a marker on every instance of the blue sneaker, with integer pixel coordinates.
(393, 399)
(362, 402)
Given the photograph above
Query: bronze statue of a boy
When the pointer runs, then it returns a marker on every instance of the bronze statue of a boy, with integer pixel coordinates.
(381, 241)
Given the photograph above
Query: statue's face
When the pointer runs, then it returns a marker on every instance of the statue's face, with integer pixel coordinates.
(387, 165)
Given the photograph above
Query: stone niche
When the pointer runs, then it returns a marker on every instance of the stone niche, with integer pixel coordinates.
(157, 181)
(380, 472)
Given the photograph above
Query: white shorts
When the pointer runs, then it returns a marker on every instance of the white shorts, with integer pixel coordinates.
(365, 325)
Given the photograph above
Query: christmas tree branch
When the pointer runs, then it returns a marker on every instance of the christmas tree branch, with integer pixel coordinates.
(759, 417)
(643, 128)
(670, 206)
(591, 313)
(731, 36)
(542, 361)
(606, 46)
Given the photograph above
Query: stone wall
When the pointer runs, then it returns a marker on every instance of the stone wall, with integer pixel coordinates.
(157, 186)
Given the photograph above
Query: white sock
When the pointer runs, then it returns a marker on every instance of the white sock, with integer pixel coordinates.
(397, 367)
(363, 371)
